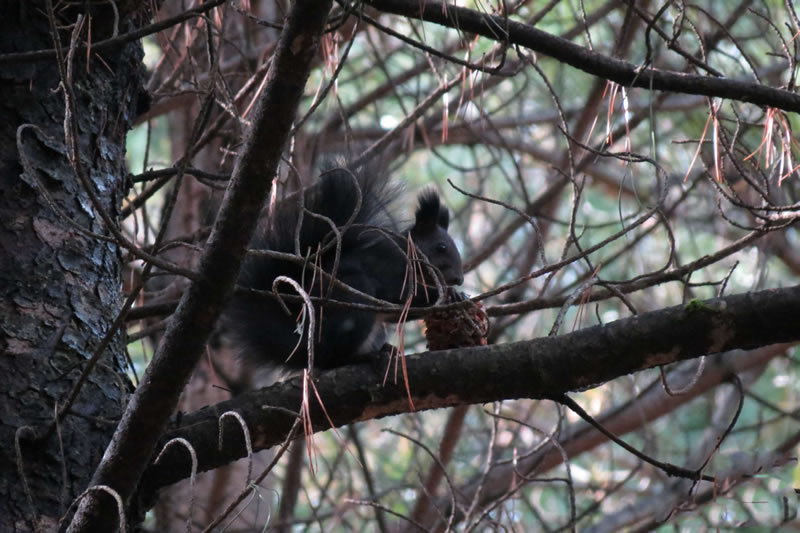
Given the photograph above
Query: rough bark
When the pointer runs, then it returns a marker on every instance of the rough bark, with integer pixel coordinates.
(59, 288)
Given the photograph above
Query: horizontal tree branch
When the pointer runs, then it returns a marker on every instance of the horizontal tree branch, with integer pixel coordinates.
(627, 74)
(539, 368)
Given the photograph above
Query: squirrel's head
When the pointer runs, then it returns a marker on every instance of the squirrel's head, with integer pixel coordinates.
(430, 236)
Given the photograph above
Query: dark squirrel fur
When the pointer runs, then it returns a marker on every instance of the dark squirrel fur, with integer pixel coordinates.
(372, 260)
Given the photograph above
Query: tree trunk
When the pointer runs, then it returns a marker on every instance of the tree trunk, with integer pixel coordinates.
(60, 286)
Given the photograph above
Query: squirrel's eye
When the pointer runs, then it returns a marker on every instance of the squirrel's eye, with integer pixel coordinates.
(441, 247)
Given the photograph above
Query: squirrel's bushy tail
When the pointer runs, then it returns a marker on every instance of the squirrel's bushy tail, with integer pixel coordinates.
(336, 198)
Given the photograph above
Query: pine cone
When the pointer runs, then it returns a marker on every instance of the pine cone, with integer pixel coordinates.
(457, 328)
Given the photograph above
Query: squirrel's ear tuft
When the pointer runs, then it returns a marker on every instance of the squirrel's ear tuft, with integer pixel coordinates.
(444, 217)
(429, 211)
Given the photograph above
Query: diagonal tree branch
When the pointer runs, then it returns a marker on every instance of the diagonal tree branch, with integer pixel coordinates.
(539, 368)
(503, 29)
(146, 417)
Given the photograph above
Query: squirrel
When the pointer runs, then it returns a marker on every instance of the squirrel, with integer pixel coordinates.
(372, 258)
